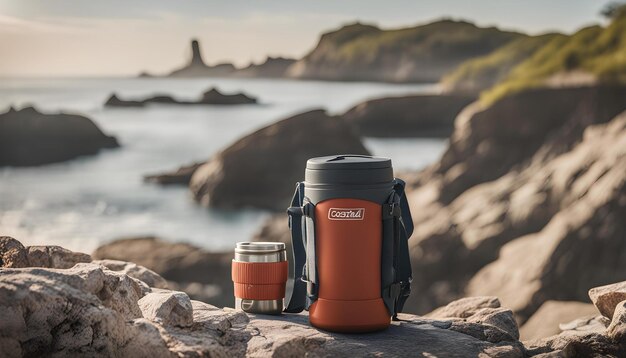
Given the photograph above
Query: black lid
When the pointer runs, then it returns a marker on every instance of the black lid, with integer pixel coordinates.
(348, 169)
(348, 161)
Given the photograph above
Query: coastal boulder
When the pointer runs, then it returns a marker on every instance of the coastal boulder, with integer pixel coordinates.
(261, 169)
(408, 116)
(29, 137)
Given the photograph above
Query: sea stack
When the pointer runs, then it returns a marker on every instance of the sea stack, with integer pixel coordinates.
(196, 56)
(197, 68)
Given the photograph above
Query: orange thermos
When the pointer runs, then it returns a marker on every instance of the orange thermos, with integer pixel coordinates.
(350, 223)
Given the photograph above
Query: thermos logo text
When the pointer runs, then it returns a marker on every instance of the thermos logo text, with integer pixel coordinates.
(346, 213)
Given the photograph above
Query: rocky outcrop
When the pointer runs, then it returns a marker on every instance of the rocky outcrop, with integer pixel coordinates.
(408, 116)
(210, 97)
(15, 255)
(91, 310)
(115, 101)
(202, 275)
(552, 315)
(197, 68)
(511, 169)
(181, 175)
(29, 137)
(589, 224)
(260, 170)
(272, 67)
(359, 52)
(599, 336)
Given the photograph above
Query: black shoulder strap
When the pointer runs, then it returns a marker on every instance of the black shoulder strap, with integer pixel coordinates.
(404, 274)
(297, 301)
(397, 228)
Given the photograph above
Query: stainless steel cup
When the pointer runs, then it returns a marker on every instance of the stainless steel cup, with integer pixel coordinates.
(267, 273)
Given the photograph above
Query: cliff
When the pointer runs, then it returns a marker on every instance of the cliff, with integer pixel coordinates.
(424, 53)
(591, 55)
(476, 75)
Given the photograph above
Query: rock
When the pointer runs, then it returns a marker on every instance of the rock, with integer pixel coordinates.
(606, 298)
(133, 270)
(115, 101)
(54, 257)
(181, 176)
(260, 170)
(476, 312)
(424, 53)
(202, 275)
(580, 338)
(408, 116)
(168, 308)
(589, 186)
(272, 67)
(12, 253)
(465, 307)
(70, 312)
(29, 138)
(88, 310)
(197, 68)
(213, 96)
(485, 146)
(547, 319)
(617, 329)
(210, 97)
(508, 171)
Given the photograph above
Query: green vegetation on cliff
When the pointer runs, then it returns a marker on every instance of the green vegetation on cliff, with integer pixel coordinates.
(593, 52)
(483, 72)
(416, 54)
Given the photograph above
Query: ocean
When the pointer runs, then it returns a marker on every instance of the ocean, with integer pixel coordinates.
(83, 203)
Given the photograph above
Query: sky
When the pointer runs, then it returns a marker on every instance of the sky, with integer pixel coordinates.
(58, 38)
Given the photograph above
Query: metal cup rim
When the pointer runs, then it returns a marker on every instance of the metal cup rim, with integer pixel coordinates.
(259, 247)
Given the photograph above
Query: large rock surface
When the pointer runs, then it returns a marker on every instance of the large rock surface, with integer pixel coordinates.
(408, 116)
(29, 137)
(510, 169)
(587, 190)
(91, 310)
(261, 169)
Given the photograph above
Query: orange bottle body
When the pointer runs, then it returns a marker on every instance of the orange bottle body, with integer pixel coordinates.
(348, 240)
